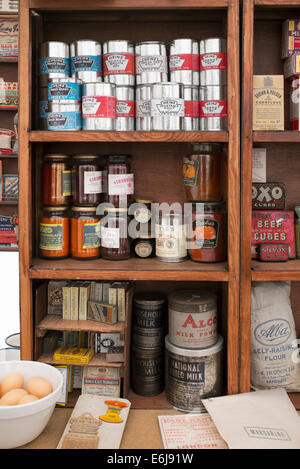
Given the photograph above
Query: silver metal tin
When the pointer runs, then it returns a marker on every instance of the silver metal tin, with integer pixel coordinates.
(147, 371)
(118, 62)
(143, 107)
(86, 60)
(43, 107)
(191, 107)
(148, 320)
(192, 375)
(64, 90)
(213, 108)
(54, 61)
(213, 61)
(151, 63)
(125, 108)
(99, 106)
(184, 61)
(167, 106)
(64, 116)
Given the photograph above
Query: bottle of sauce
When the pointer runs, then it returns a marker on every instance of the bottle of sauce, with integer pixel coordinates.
(54, 233)
(87, 180)
(56, 180)
(85, 233)
(202, 173)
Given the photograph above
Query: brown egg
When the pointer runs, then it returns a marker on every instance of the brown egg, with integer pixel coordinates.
(28, 398)
(12, 397)
(39, 387)
(12, 381)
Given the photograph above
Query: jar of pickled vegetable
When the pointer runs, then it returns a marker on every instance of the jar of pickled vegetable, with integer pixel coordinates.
(207, 238)
(85, 233)
(115, 244)
(54, 233)
(56, 180)
(119, 181)
(87, 180)
(202, 173)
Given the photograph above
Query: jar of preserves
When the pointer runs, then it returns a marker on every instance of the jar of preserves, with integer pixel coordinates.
(202, 173)
(54, 233)
(207, 239)
(115, 244)
(143, 246)
(56, 180)
(119, 181)
(85, 233)
(170, 234)
(142, 210)
(87, 180)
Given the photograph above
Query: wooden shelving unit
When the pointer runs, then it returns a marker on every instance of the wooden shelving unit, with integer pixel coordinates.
(157, 158)
(262, 23)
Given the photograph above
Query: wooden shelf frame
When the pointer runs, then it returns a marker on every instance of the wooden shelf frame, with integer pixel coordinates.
(31, 268)
(255, 270)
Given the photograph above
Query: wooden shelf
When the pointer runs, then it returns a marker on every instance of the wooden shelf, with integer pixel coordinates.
(142, 402)
(8, 156)
(136, 136)
(276, 271)
(55, 322)
(9, 108)
(97, 360)
(8, 249)
(8, 59)
(292, 136)
(131, 269)
(8, 202)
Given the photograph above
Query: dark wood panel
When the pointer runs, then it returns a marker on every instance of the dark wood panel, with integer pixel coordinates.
(123, 4)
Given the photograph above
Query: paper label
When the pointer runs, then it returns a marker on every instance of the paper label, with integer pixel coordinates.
(51, 237)
(184, 62)
(213, 108)
(86, 63)
(64, 120)
(120, 184)
(191, 109)
(170, 241)
(215, 61)
(167, 107)
(110, 237)
(91, 235)
(99, 106)
(193, 330)
(67, 183)
(115, 64)
(143, 108)
(92, 182)
(206, 233)
(64, 91)
(151, 63)
(55, 65)
(125, 108)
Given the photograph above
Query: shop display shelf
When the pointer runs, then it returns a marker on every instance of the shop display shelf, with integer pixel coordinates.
(8, 108)
(292, 136)
(8, 202)
(131, 269)
(54, 322)
(97, 360)
(135, 136)
(276, 271)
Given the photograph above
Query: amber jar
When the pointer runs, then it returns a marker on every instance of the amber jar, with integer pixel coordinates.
(56, 180)
(85, 233)
(54, 233)
(86, 180)
(115, 244)
(207, 239)
(202, 173)
(119, 181)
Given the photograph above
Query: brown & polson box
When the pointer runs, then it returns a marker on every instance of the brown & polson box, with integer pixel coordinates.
(268, 102)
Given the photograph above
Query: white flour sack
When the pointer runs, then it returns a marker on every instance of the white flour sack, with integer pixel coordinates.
(274, 356)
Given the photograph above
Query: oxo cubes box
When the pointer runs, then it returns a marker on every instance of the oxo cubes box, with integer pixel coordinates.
(272, 226)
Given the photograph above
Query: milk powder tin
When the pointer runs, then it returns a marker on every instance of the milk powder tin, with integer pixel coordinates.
(86, 60)
(184, 61)
(54, 61)
(148, 320)
(192, 375)
(151, 63)
(99, 106)
(118, 62)
(192, 319)
(64, 117)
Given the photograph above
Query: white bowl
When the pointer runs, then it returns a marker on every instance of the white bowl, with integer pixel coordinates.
(23, 423)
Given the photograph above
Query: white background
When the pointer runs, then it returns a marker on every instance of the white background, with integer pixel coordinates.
(9, 295)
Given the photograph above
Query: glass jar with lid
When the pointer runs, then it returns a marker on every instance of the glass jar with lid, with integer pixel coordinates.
(56, 180)
(85, 233)
(170, 234)
(115, 244)
(208, 235)
(202, 173)
(86, 180)
(119, 181)
(54, 233)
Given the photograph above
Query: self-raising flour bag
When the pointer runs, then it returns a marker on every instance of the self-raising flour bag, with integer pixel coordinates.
(274, 356)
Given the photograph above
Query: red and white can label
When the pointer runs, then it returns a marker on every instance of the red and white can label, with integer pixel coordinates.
(215, 61)
(120, 184)
(151, 63)
(213, 108)
(167, 107)
(114, 64)
(143, 108)
(125, 108)
(191, 109)
(184, 62)
(99, 106)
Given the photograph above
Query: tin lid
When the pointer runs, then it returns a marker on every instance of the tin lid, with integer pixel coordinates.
(84, 209)
(206, 147)
(115, 210)
(117, 158)
(85, 157)
(53, 208)
(195, 353)
(143, 200)
(56, 157)
(192, 301)
(149, 298)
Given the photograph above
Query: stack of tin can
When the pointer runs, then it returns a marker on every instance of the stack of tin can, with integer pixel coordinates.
(141, 87)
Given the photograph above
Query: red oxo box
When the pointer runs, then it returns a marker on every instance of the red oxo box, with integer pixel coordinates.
(273, 226)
